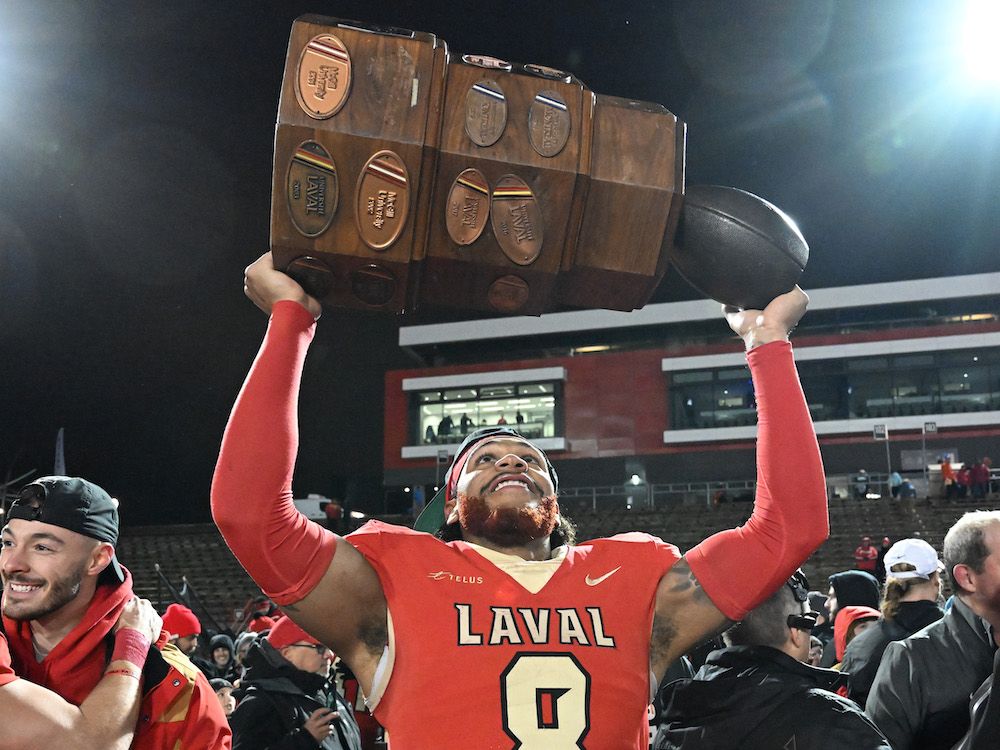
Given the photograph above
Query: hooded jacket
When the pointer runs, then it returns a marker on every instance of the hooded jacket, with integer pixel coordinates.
(852, 588)
(759, 698)
(179, 710)
(863, 654)
(847, 617)
(228, 671)
(276, 698)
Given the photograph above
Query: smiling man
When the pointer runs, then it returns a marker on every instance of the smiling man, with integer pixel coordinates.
(503, 633)
(64, 590)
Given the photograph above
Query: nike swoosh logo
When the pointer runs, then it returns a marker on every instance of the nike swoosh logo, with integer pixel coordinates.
(594, 581)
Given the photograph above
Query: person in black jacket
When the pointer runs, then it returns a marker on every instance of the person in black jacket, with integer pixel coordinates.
(286, 701)
(910, 602)
(758, 694)
(850, 588)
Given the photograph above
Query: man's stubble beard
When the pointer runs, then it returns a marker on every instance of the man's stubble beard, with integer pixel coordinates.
(61, 592)
(508, 527)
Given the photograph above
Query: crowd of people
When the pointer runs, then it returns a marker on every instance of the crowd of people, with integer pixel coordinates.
(487, 625)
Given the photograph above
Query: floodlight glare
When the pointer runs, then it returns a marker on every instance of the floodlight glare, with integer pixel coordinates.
(978, 43)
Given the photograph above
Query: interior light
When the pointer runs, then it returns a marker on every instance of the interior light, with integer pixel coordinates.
(636, 479)
(591, 349)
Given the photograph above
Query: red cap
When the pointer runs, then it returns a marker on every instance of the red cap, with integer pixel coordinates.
(180, 621)
(285, 632)
(260, 624)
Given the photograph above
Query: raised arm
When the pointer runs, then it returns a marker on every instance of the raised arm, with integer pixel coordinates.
(728, 574)
(322, 583)
(37, 717)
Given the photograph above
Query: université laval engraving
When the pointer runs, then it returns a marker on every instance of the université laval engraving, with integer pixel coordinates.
(468, 207)
(312, 188)
(517, 220)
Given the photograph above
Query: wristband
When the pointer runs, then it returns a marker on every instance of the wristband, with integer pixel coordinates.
(126, 672)
(131, 646)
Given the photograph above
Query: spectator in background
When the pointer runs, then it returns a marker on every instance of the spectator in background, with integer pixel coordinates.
(221, 661)
(445, 426)
(466, 424)
(502, 420)
(980, 479)
(963, 482)
(815, 651)
(909, 603)
(824, 624)
(948, 488)
(242, 644)
(759, 694)
(861, 485)
(866, 555)
(920, 696)
(880, 563)
(224, 692)
(895, 482)
(286, 701)
(519, 417)
(847, 589)
(851, 622)
(64, 589)
(184, 628)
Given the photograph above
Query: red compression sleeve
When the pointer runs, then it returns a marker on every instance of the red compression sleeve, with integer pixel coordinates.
(740, 568)
(283, 551)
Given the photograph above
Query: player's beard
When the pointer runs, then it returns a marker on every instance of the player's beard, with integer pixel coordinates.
(508, 527)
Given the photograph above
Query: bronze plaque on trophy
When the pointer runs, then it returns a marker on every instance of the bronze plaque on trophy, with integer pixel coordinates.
(405, 178)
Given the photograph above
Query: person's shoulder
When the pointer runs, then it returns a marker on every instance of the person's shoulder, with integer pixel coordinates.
(628, 537)
(632, 542)
(381, 527)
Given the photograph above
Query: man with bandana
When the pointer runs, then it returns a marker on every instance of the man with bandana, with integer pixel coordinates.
(501, 632)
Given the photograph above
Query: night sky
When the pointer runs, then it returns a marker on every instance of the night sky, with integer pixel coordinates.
(135, 160)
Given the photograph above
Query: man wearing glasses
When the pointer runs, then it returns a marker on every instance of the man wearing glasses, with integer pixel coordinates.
(760, 691)
(285, 700)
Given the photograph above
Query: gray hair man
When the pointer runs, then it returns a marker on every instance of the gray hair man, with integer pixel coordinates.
(920, 696)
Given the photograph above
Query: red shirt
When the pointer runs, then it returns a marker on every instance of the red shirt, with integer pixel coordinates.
(6, 672)
(567, 666)
(867, 557)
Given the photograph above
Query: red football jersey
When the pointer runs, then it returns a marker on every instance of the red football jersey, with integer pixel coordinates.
(494, 652)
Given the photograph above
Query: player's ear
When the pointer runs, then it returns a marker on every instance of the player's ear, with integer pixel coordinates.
(451, 511)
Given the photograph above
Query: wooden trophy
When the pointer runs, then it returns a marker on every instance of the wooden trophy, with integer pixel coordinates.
(403, 178)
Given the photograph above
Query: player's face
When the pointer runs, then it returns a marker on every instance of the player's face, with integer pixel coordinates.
(508, 471)
(42, 567)
(505, 493)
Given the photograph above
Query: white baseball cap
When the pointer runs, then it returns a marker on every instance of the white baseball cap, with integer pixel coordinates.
(917, 553)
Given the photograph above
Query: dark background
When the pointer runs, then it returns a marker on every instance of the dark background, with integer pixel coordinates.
(135, 147)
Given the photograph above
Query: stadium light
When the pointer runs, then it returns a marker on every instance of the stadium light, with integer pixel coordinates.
(978, 46)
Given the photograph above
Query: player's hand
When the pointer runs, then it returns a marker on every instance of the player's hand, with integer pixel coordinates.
(320, 723)
(265, 285)
(139, 615)
(773, 323)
